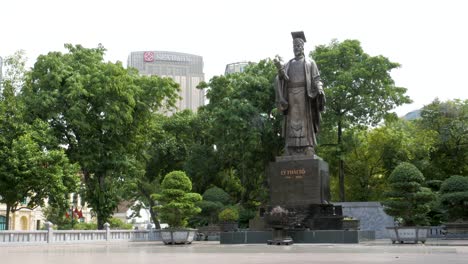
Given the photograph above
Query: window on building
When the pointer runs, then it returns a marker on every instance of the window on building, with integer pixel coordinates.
(2, 222)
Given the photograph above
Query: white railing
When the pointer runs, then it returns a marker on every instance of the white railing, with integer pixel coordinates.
(23, 236)
(78, 236)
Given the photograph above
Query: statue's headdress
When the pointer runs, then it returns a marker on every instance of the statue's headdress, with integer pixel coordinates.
(298, 36)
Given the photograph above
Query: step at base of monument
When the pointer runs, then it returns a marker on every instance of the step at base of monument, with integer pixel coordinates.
(298, 236)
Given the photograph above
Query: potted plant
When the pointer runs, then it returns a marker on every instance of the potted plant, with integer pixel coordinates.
(278, 219)
(228, 219)
(454, 199)
(176, 205)
(409, 202)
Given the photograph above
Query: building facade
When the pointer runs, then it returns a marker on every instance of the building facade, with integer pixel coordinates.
(34, 219)
(235, 67)
(24, 219)
(185, 69)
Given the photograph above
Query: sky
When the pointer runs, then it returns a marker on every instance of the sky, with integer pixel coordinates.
(428, 38)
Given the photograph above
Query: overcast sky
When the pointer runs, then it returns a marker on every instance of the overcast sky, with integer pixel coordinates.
(428, 38)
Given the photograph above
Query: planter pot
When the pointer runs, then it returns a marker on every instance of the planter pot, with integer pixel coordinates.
(178, 236)
(408, 234)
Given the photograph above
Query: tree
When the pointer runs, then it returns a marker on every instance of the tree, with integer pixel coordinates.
(166, 149)
(359, 91)
(31, 170)
(454, 197)
(408, 199)
(214, 200)
(100, 112)
(449, 120)
(374, 152)
(245, 127)
(177, 203)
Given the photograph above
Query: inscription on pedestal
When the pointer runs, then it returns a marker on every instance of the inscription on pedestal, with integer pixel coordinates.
(295, 182)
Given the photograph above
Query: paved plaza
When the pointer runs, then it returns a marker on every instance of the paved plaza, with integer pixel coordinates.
(380, 251)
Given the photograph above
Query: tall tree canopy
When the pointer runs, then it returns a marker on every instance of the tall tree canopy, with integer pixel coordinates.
(359, 91)
(31, 169)
(449, 120)
(244, 127)
(373, 153)
(167, 148)
(100, 112)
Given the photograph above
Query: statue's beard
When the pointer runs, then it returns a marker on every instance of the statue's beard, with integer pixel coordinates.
(299, 53)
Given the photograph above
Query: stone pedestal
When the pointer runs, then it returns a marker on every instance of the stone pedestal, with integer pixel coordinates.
(299, 180)
(301, 185)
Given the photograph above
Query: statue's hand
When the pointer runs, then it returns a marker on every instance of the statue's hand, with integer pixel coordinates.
(283, 75)
(283, 105)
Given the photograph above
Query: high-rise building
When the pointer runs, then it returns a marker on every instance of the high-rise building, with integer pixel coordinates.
(235, 67)
(185, 69)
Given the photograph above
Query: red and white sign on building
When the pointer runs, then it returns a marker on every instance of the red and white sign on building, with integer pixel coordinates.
(148, 56)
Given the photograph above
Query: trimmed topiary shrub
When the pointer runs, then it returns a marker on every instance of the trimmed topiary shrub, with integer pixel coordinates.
(176, 201)
(408, 201)
(216, 194)
(214, 200)
(454, 197)
(228, 215)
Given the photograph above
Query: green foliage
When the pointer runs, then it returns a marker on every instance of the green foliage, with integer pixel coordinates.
(100, 110)
(216, 194)
(177, 204)
(454, 197)
(449, 121)
(245, 214)
(214, 200)
(116, 223)
(56, 215)
(406, 174)
(244, 130)
(85, 226)
(32, 166)
(360, 91)
(228, 215)
(209, 211)
(407, 199)
(176, 182)
(174, 143)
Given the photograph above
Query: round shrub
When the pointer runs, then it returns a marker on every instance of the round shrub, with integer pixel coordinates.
(406, 173)
(177, 180)
(454, 197)
(176, 202)
(228, 215)
(454, 184)
(216, 194)
(408, 199)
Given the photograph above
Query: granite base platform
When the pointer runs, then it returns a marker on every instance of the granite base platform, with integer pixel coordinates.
(299, 236)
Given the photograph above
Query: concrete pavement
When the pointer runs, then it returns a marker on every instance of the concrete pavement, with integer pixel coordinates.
(379, 251)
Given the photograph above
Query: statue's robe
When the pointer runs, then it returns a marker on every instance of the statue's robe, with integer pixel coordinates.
(305, 100)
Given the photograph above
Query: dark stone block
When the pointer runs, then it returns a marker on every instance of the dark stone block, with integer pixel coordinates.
(298, 236)
(299, 181)
(245, 237)
(232, 238)
(313, 217)
(258, 237)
